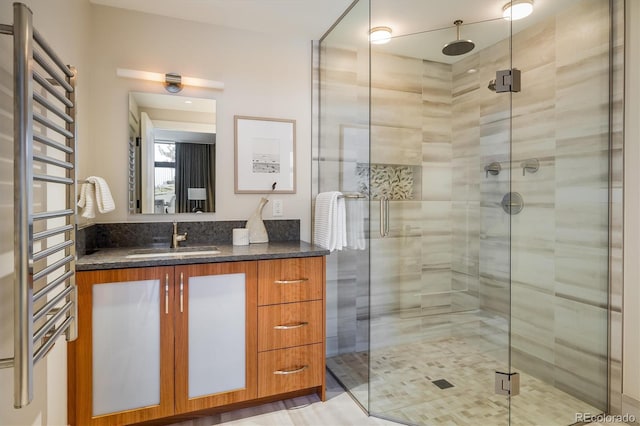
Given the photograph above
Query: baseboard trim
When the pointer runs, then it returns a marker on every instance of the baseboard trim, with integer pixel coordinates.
(631, 406)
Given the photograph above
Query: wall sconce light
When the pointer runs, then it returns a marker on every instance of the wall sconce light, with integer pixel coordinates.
(517, 9)
(173, 82)
(380, 35)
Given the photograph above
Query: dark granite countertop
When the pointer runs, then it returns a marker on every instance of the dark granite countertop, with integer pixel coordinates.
(117, 257)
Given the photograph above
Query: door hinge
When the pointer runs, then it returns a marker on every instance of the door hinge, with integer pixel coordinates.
(138, 141)
(508, 80)
(507, 384)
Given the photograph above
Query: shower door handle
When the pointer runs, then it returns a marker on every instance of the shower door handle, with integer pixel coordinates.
(384, 216)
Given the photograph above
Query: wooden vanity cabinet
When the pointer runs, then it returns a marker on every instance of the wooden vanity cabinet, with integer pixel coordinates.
(291, 325)
(164, 341)
(118, 374)
(121, 367)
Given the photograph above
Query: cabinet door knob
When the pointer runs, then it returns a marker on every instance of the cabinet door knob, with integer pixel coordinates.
(294, 371)
(298, 281)
(290, 326)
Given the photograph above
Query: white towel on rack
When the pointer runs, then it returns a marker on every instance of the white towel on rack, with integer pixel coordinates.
(87, 200)
(95, 193)
(355, 223)
(104, 200)
(329, 228)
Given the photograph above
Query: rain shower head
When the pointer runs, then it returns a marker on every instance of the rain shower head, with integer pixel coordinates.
(458, 46)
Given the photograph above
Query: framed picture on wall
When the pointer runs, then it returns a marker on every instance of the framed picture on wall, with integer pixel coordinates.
(265, 152)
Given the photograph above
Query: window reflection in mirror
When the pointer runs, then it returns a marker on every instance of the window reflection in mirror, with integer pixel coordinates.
(172, 141)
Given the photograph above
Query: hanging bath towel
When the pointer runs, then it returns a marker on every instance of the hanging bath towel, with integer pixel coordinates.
(104, 200)
(87, 201)
(95, 193)
(329, 228)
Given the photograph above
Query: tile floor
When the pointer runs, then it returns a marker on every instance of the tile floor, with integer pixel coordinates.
(396, 377)
(401, 387)
(338, 410)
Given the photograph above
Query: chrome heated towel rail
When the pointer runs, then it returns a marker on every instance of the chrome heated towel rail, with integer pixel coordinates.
(44, 201)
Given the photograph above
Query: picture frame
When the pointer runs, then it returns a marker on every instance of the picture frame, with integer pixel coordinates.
(265, 153)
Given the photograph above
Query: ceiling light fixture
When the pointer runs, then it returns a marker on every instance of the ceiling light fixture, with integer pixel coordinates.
(380, 35)
(173, 82)
(517, 9)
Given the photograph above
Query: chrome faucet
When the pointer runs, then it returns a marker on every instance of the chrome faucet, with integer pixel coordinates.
(176, 238)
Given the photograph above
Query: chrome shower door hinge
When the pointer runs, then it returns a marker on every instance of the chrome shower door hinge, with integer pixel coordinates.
(507, 384)
(508, 80)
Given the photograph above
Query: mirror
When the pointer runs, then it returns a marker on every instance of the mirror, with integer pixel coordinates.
(172, 151)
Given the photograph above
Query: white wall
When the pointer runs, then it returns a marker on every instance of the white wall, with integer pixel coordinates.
(264, 76)
(631, 308)
(65, 25)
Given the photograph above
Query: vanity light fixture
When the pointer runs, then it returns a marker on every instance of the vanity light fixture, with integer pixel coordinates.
(517, 9)
(380, 35)
(173, 82)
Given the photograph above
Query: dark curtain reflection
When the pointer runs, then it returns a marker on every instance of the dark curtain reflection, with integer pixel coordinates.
(195, 169)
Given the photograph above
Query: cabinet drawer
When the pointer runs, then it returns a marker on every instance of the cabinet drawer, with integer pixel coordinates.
(286, 370)
(290, 280)
(289, 324)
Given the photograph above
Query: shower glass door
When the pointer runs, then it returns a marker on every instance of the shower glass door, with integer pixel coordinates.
(439, 238)
(343, 161)
(559, 240)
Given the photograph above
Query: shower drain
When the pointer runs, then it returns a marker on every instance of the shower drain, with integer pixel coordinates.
(442, 384)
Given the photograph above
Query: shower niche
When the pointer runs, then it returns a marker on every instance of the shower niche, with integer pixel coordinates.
(496, 261)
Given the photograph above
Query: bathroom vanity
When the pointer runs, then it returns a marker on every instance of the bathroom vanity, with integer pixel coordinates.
(164, 337)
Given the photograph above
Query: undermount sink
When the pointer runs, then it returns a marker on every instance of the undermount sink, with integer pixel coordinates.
(174, 252)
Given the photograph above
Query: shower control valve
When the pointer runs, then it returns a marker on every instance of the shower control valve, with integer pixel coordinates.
(493, 168)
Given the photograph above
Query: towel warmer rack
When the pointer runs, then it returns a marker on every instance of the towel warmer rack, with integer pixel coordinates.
(44, 242)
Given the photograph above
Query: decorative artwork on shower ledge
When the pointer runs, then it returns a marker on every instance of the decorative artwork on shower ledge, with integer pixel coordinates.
(393, 182)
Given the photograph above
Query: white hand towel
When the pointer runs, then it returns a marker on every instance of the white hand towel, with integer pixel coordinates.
(87, 201)
(329, 228)
(355, 224)
(104, 200)
(341, 229)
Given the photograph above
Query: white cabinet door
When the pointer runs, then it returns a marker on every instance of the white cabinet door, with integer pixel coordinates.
(216, 335)
(217, 325)
(126, 345)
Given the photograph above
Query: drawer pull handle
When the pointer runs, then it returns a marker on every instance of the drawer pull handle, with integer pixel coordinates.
(294, 371)
(292, 326)
(301, 280)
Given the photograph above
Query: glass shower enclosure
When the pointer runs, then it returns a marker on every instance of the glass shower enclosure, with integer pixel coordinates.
(474, 289)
